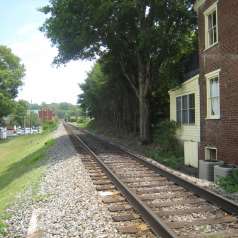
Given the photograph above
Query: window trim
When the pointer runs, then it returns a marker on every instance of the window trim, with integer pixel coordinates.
(210, 148)
(180, 96)
(206, 13)
(209, 76)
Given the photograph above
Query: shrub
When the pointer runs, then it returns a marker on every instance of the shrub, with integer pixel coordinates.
(168, 159)
(49, 125)
(72, 119)
(83, 122)
(229, 183)
(165, 135)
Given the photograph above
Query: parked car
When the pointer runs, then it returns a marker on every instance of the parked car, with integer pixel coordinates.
(20, 131)
(27, 131)
(11, 132)
(3, 133)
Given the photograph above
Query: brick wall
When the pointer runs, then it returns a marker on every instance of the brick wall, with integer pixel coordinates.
(46, 115)
(222, 133)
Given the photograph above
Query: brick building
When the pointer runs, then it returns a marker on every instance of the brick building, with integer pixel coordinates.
(45, 114)
(218, 79)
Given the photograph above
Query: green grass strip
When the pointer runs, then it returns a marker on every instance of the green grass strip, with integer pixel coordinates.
(22, 162)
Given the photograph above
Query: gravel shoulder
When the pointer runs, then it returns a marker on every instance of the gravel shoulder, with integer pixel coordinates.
(66, 204)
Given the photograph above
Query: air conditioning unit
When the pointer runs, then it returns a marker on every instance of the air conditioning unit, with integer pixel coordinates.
(206, 169)
(223, 170)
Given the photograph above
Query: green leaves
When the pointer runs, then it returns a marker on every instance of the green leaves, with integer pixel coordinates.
(6, 105)
(11, 74)
(229, 183)
(20, 112)
(141, 36)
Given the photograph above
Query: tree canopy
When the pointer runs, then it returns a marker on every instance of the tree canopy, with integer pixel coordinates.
(20, 112)
(108, 98)
(143, 36)
(11, 74)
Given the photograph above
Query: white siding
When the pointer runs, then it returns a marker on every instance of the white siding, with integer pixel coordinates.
(191, 153)
(187, 132)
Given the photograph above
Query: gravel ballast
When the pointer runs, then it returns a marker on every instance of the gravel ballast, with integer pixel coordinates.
(67, 204)
(200, 182)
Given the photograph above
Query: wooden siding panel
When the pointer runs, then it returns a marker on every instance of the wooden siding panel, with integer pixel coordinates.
(187, 132)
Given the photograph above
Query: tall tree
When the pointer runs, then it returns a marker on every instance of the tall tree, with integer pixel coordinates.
(108, 98)
(20, 112)
(143, 34)
(11, 74)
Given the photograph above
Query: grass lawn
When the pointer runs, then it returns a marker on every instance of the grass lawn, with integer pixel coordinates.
(21, 165)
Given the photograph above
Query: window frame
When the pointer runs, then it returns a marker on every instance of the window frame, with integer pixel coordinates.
(209, 77)
(207, 148)
(187, 109)
(213, 8)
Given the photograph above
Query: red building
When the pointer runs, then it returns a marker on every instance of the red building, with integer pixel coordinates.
(45, 114)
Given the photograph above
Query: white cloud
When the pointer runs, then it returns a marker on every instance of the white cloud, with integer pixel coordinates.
(44, 82)
(28, 28)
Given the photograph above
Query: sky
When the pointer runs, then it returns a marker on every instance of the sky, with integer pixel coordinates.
(19, 30)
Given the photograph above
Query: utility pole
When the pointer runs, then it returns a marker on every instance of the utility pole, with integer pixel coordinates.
(30, 116)
(24, 124)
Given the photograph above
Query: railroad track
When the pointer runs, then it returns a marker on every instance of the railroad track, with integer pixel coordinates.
(170, 205)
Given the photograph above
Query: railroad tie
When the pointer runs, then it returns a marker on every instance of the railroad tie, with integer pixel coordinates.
(223, 234)
(113, 199)
(105, 187)
(102, 182)
(187, 211)
(174, 203)
(119, 208)
(208, 221)
(133, 229)
(125, 217)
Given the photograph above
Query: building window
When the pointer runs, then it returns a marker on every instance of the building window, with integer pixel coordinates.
(185, 109)
(211, 26)
(213, 95)
(210, 153)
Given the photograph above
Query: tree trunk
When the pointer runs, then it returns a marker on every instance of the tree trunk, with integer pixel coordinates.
(144, 104)
(142, 92)
(144, 112)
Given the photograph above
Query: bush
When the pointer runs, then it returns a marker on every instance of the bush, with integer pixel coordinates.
(165, 135)
(229, 183)
(168, 159)
(72, 119)
(83, 122)
(49, 125)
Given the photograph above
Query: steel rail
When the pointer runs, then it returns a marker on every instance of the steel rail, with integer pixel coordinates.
(222, 202)
(210, 196)
(156, 224)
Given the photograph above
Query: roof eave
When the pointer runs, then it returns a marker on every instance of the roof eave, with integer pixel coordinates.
(198, 4)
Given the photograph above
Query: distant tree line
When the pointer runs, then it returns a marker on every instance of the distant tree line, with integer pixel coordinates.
(141, 44)
(63, 110)
(25, 114)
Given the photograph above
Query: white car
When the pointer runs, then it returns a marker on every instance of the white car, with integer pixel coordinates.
(27, 131)
(20, 132)
(3, 133)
